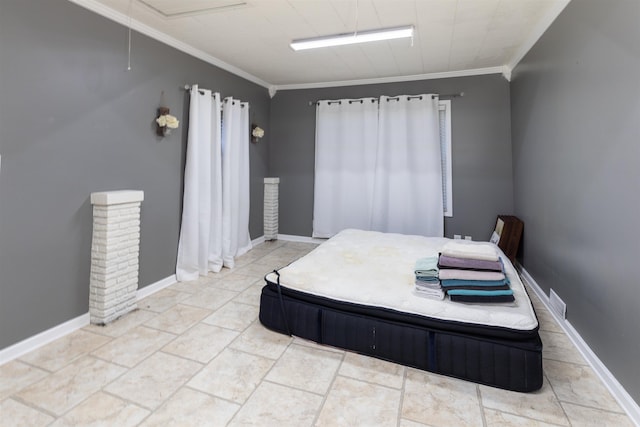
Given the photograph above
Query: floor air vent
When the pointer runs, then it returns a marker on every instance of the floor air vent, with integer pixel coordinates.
(557, 305)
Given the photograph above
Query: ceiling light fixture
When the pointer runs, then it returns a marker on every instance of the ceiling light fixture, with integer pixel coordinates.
(353, 38)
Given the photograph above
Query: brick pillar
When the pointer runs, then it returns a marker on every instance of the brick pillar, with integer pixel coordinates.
(114, 254)
(271, 208)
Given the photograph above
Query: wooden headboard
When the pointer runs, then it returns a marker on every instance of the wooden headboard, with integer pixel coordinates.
(508, 231)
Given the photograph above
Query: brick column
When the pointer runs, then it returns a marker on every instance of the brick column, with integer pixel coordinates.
(114, 254)
(271, 208)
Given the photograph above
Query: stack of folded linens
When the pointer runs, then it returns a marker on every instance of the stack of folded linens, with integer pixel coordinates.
(427, 283)
(473, 272)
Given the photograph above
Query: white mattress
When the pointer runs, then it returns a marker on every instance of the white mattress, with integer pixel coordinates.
(376, 269)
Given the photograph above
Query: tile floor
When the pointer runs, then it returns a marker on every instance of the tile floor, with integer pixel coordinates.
(194, 354)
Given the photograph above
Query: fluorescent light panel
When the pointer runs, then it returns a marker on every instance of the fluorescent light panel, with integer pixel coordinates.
(352, 38)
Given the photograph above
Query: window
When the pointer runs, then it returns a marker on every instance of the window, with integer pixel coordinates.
(445, 152)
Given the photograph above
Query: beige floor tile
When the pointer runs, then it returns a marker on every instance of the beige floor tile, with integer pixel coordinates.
(587, 417)
(295, 408)
(162, 300)
(154, 380)
(178, 318)
(501, 419)
(211, 299)
(272, 244)
(16, 414)
(234, 316)
(440, 401)
(64, 389)
(259, 340)
(409, 423)
(372, 370)
(255, 270)
(312, 344)
(293, 250)
(301, 246)
(232, 375)
(15, 375)
(251, 295)
(122, 325)
(191, 408)
(201, 343)
(65, 350)
(193, 286)
(547, 321)
(558, 347)
(356, 403)
(275, 262)
(252, 256)
(541, 405)
(212, 277)
(535, 300)
(305, 368)
(236, 282)
(102, 409)
(134, 346)
(197, 352)
(579, 384)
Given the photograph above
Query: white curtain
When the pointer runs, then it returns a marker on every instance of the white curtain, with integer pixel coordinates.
(213, 230)
(378, 166)
(235, 180)
(346, 135)
(408, 180)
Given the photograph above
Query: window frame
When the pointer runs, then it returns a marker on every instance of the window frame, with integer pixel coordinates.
(445, 147)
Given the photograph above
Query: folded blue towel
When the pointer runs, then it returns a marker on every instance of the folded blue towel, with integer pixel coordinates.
(471, 292)
(427, 267)
(430, 279)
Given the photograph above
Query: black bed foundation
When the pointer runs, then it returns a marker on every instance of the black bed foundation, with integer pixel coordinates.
(490, 357)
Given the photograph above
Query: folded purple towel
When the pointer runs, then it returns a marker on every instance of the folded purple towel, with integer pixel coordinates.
(469, 264)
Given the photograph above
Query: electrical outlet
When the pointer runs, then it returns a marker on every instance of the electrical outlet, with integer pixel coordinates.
(467, 238)
(457, 236)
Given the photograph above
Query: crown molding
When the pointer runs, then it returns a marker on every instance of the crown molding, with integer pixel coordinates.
(537, 32)
(142, 28)
(124, 20)
(395, 79)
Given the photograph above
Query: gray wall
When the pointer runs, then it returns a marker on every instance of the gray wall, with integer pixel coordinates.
(576, 132)
(481, 149)
(74, 121)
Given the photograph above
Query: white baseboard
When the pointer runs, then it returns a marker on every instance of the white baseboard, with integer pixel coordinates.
(303, 239)
(43, 338)
(256, 242)
(155, 287)
(617, 390)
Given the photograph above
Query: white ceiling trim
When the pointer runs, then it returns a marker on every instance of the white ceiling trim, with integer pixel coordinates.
(430, 76)
(193, 12)
(536, 33)
(123, 19)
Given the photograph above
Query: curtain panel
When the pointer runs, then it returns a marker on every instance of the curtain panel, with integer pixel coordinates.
(215, 213)
(378, 166)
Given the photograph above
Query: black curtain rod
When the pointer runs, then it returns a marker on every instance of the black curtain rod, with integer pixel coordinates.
(188, 88)
(394, 98)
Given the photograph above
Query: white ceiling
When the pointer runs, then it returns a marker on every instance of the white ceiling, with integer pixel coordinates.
(251, 37)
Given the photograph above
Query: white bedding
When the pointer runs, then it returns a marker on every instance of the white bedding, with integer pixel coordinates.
(376, 269)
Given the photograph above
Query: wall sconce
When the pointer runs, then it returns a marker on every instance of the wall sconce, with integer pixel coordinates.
(165, 122)
(256, 133)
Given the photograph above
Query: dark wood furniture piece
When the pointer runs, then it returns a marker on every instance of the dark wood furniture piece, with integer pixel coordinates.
(510, 234)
